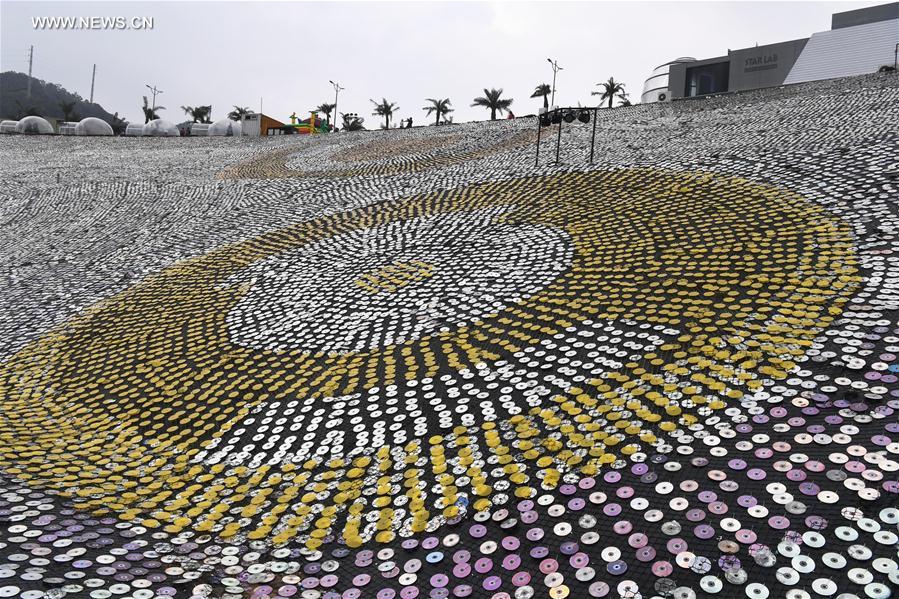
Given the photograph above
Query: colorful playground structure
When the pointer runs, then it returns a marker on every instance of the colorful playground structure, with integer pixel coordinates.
(312, 125)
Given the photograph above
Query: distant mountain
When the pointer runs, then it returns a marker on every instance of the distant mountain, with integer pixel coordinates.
(46, 100)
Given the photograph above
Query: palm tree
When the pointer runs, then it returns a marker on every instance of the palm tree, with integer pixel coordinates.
(491, 101)
(150, 113)
(118, 124)
(610, 89)
(624, 99)
(352, 121)
(326, 109)
(199, 114)
(542, 90)
(68, 111)
(441, 107)
(239, 112)
(386, 110)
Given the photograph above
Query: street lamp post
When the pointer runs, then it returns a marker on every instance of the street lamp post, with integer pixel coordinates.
(337, 90)
(556, 69)
(154, 91)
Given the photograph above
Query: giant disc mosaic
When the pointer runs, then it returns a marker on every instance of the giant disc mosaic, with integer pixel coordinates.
(412, 364)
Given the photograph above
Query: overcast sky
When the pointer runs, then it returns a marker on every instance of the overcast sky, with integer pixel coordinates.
(227, 53)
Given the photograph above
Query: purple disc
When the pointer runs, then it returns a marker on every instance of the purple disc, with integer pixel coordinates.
(756, 474)
(534, 534)
(747, 501)
(695, 515)
(646, 554)
(778, 522)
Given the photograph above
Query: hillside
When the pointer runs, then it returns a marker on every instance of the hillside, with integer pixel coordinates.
(425, 364)
(46, 99)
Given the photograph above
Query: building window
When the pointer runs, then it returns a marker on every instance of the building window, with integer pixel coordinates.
(707, 79)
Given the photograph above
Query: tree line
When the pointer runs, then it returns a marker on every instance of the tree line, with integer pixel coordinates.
(492, 100)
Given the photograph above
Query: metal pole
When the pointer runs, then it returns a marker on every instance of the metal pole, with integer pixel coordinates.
(334, 109)
(593, 136)
(337, 90)
(552, 102)
(556, 69)
(895, 58)
(539, 127)
(30, 61)
(93, 78)
(154, 91)
(559, 141)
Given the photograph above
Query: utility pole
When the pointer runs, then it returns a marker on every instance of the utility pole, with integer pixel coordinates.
(556, 69)
(30, 61)
(93, 78)
(154, 91)
(337, 90)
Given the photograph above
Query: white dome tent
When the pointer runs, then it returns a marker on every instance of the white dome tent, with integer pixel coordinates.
(160, 128)
(34, 125)
(93, 126)
(224, 128)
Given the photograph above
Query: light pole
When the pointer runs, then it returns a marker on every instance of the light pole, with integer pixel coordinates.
(30, 61)
(154, 91)
(337, 90)
(556, 69)
(93, 78)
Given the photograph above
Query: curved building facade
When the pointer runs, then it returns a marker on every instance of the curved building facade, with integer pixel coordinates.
(655, 88)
